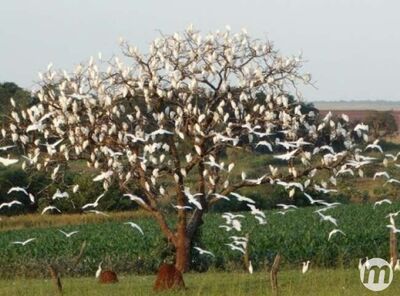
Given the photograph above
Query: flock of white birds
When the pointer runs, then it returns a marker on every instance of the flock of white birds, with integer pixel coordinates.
(167, 116)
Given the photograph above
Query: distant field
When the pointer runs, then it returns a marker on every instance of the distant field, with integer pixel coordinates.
(317, 282)
(358, 105)
(298, 235)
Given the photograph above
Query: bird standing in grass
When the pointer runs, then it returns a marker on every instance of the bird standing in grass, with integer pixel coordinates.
(306, 265)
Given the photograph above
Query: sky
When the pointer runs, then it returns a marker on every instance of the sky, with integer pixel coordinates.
(352, 47)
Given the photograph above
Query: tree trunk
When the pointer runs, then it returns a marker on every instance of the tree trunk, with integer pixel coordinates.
(182, 250)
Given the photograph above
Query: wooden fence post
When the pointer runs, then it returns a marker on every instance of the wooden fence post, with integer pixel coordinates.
(274, 275)
(393, 247)
(56, 278)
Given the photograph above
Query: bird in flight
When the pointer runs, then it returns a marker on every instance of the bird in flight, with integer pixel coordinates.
(98, 213)
(286, 207)
(135, 198)
(7, 161)
(93, 204)
(334, 231)
(242, 198)
(18, 189)
(381, 202)
(134, 225)
(202, 251)
(68, 234)
(10, 204)
(50, 208)
(23, 243)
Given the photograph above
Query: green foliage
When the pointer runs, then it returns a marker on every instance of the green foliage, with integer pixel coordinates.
(11, 90)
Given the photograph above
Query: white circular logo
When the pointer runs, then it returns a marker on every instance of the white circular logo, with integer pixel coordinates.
(376, 274)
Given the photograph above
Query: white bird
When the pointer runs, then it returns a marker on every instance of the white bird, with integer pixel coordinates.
(286, 207)
(135, 198)
(288, 185)
(229, 217)
(182, 207)
(391, 217)
(4, 148)
(286, 156)
(134, 138)
(397, 266)
(213, 163)
(50, 208)
(250, 268)
(261, 220)
(242, 198)
(311, 200)
(68, 234)
(98, 213)
(300, 142)
(10, 204)
(361, 127)
(192, 198)
(327, 218)
(266, 144)
(256, 181)
(18, 189)
(94, 204)
(381, 174)
(334, 231)
(202, 252)
(75, 188)
(380, 202)
(220, 196)
(31, 198)
(285, 144)
(102, 176)
(160, 131)
(393, 228)
(134, 225)
(226, 227)
(324, 190)
(392, 181)
(255, 211)
(236, 248)
(329, 205)
(374, 145)
(98, 271)
(7, 161)
(239, 238)
(59, 194)
(305, 266)
(23, 243)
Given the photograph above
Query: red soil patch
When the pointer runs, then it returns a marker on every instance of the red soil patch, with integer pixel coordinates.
(168, 277)
(108, 277)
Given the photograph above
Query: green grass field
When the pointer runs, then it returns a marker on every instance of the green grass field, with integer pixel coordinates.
(298, 236)
(316, 282)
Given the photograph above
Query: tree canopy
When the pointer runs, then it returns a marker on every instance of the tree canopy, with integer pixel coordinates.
(165, 119)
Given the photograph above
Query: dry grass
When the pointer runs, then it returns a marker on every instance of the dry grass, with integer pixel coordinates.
(45, 221)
